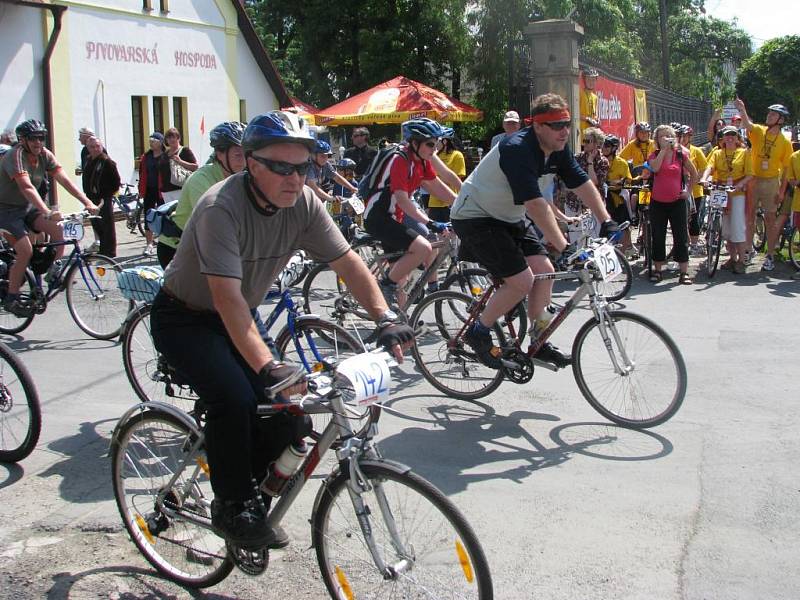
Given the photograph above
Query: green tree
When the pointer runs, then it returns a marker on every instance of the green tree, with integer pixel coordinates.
(770, 76)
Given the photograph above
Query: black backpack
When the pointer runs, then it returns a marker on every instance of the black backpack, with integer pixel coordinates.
(370, 182)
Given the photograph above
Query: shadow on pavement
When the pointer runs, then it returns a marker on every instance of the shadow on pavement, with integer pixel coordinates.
(98, 582)
(13, 473)
(85, 469)
(470, 442)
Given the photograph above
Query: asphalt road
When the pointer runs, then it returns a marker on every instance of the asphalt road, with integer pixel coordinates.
(565, 505)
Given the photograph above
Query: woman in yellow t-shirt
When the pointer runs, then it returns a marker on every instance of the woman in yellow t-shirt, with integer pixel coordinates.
(732, 165)
(438, 209)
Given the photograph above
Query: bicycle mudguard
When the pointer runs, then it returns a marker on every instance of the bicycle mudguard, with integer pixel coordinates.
(154, 406)
(393, 465)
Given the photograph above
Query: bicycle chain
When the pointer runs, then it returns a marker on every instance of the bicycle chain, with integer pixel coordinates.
(523, 372)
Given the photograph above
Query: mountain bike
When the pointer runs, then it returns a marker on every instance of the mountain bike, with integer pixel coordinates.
(131, 205)
(378, 530)
(89, 280)
(788, 240)
(626, 366)
(20, 412)
(305, 340)
(717, 201)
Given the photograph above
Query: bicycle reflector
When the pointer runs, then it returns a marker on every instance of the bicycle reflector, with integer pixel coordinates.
(466, 566)
(344, 584)
(142, 524)
(100, 271)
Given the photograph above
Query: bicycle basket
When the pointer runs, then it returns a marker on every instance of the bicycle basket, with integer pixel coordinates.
(140, 284)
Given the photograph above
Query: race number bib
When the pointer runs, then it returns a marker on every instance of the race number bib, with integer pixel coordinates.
(369, 377)
(719, 198)
(73, 230)
(605, 257)
(356, 204)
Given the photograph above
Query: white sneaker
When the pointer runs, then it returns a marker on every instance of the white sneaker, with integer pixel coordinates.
(149, 250)
(769, 264)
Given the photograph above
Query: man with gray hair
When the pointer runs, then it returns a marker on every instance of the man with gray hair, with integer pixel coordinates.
(361, 152)
(84, 133)
(8, 138)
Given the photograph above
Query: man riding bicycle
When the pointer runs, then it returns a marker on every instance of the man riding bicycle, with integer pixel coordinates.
(322, 175)
(22, 210)
(489, 214)
(385, 209)
(241, 234)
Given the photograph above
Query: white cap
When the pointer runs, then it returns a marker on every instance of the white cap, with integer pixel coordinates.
(511, 115)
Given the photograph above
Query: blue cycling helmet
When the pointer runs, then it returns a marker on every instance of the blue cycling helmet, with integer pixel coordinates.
(226, 134)
(448, 132)
(422, 128)
(322, 147)
(276, 127)
(346, 163)
(30, 127)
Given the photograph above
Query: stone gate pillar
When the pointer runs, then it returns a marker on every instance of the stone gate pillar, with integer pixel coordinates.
(554, 50)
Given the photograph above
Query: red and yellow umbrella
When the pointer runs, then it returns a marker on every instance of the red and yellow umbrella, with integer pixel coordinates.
(395, 101)
(302, 109)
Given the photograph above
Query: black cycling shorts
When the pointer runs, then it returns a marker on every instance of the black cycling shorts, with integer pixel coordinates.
(393, 236)
(500, 247)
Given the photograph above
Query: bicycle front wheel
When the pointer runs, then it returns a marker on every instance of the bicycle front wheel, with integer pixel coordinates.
(441, 353)
(649, 386)
(428, 548)
(20, 412)
(310, 343)
(94, 298)
(713, 245)
(619, 287)
(149, 449)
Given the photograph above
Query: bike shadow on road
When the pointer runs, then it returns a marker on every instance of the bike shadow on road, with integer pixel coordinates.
(98, 581)
(84, 469)
(10, 473)
(20, 344)
(469, 442)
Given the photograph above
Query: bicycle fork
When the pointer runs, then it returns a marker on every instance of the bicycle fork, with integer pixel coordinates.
(605, 326)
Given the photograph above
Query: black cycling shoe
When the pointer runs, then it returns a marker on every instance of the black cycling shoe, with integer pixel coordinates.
(551, 354)
(481, 343)
(242, 523)
(17, 308)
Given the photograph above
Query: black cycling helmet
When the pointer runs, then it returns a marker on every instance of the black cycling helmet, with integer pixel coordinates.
(422, 129)
(29, 128)
(643, 126)
(590, 72)
(346, 163)
(276, 127)
(611, 140)
(780, 109)
(226, 134)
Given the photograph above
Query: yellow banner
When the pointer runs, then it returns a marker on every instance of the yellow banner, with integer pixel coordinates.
(641, 105)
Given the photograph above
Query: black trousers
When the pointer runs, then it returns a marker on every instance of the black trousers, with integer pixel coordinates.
(674, 213)
(105, 228)
(239, 445)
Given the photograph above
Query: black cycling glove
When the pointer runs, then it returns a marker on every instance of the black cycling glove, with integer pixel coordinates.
(608, 227)
(391, 331)
(562, 261)
(277, 376)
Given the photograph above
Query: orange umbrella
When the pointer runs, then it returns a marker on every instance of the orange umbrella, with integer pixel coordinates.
(301, 109)
(395, 101)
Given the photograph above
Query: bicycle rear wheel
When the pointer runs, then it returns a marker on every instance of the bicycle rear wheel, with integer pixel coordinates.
(9, 322)
(428, 547)
(147, 371)
(713, 245)
(94, 298)
(760, 233)
(442, 355)
(20, 412)
(314, 340)
(149, 449)
(794, 247)
(650, 390)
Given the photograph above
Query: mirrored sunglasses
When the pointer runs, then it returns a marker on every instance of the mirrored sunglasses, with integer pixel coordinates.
(282, 168)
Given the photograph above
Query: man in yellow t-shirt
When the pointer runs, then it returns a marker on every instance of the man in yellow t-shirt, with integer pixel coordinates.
(771, 152)
(639, 148)
(617, 205)
(590, 115)
(699, 161)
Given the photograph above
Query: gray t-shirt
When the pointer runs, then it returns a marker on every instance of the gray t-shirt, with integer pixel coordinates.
(17, 161)
(226, 236)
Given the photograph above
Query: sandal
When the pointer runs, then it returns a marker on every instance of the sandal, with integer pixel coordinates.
(656, 276)
(684, 279)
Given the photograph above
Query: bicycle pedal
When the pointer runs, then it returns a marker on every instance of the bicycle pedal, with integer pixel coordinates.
(251, 562)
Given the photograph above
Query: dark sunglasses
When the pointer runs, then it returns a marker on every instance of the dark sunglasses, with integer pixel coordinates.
(359, 135)
(559, 125)
(281, 168)
(37, 138)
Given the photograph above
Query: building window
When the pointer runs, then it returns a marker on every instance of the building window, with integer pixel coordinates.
(243, 111)
(147, 5)
(160, 113)
(138, 125)
(164, 6)
(179, 118)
